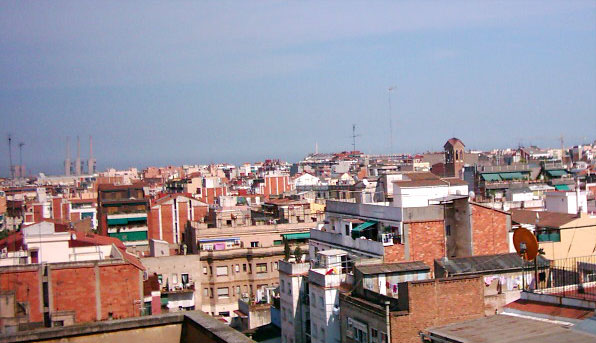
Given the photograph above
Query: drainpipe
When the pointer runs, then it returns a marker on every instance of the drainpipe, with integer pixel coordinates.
(388, 321)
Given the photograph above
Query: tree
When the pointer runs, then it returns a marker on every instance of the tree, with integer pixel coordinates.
(298, 254)
(287, 250)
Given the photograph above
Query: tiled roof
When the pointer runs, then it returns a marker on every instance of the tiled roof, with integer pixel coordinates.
(545, 218)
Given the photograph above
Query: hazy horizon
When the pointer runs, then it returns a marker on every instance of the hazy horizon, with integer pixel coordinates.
(169, 83)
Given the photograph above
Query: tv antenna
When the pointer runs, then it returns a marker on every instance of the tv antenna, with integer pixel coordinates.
(354, 135)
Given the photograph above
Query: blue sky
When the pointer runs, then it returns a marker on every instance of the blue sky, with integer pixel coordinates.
(160, 82)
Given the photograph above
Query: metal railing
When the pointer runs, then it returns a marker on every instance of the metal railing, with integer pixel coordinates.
(570, 278)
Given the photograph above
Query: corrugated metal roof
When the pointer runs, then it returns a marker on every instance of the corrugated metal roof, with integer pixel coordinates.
(509, 329)
(387, 268)
(485, 263)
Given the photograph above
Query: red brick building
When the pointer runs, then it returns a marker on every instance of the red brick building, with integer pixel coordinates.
(421, 304)
(73, 292)
(168, 216)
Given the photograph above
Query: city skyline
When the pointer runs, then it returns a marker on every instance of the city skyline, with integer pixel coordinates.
(201, 83)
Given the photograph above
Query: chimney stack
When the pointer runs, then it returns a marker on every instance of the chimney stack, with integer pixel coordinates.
(91, 161)
(78, 160)
(67, 164)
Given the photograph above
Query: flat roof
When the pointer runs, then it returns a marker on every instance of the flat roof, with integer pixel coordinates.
(510, 329)
(386, 268)
(486, 263)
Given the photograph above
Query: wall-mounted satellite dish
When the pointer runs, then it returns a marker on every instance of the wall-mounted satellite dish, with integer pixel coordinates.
(525, 244)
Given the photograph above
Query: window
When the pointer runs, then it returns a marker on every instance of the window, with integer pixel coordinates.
(549, 235)
(275, 266)
(374, 335)
(205, 270)
(448, 230)
(237, 290)
(224, 314)
(210, 292)
(223, 292)
(277, 242)
(261, 268)
(237, 268)
(174, 278)
(244, 267)
(383, 337)
(347, 229)
(160, 279)
(222, 270)
(205, 292)
(254, 244)
(185, 279)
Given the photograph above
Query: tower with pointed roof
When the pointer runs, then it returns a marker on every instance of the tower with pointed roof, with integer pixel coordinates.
(454, 157)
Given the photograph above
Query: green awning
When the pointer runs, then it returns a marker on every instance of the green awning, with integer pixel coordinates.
(491, 177)
(512, 176)
(164, 301)
(364, 225)
(124, 221)
(118, 221)
(562, 188)
(297, 236)
(556, 173)
(130, 236)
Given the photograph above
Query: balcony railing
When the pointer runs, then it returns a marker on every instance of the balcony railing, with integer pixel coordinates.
(569, 278)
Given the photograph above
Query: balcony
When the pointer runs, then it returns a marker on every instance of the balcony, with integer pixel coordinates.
(340, 240)
(318, 277)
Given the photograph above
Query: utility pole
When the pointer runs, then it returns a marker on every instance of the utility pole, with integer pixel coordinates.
(354, 135)
(10, 155)
(389, 90)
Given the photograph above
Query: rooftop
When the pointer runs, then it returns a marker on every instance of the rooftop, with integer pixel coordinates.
(485, 263)
(182, 327)
(392, 267)
(509, 329)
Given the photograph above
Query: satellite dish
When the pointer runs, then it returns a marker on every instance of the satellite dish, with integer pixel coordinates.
(525, 244)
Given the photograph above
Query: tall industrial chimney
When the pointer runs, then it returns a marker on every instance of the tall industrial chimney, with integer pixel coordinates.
(78, 160)
(91, 161)
(67, 164)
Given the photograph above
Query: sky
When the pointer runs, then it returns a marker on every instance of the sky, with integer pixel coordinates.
(173, 82)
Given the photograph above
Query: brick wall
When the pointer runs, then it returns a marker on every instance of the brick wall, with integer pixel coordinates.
(489, 231)
(120, 287)
(153, 223)
(427, 241)
(74, 289)
(167, 223)
(438, 302)
(27, 285)
(394, 253)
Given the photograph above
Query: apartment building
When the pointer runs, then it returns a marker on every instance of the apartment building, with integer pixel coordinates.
(122, 212)
(169, 215)
(243, 263)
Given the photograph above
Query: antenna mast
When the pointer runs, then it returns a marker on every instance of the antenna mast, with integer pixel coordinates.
(21, 169)
(354, 135)
(10, 155)
(389, 90)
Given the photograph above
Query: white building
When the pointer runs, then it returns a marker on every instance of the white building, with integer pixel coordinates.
(414, 192)
(293, 304)
(47, 242)
(566, 202)
(306, 179)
